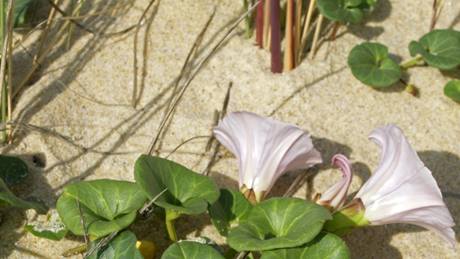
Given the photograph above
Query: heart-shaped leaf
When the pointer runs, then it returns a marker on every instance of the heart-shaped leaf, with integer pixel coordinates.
(278, 223)
(191, 250)
(123, 246)
(371, 64)
(439, 48)
(12, 170)
(106, 206)
(452, 90)
(8, 198)
(324, 246)
(51, 228)
(345, 11)
(231, 207)
(187, 192)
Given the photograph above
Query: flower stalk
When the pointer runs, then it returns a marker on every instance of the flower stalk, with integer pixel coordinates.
(171, 216)
(416, 61)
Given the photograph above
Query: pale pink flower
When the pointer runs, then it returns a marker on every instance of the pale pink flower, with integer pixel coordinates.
(402, 189)
(336, 195)
(265, 148)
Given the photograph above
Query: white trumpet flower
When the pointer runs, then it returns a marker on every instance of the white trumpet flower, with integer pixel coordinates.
(266, 149)
(402, 189)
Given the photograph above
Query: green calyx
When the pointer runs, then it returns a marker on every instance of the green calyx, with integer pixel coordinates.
(344, 220)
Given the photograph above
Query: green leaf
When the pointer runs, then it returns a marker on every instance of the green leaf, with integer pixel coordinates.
(123, 246)
(371, 64)
(191, 250)
(106, 206)
(12, 170)
(231, 207)
(278, 223)
(187, 192)
(6, 196)
(439, 48)
(52, 228)
(324, 246)
(452, 90)
(342, 10)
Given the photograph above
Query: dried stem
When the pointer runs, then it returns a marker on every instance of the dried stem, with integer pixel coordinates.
(75, 12)
(260, 24)
(335, 29)
(44, 34)
(10, 69)
(314, 45)
(176, 91)
(289, 37)
(3, 66)
(135, 62)
(223, 112)
(306, 28)
(298, 31)
(196, 71)
(266, 36)
(437, 8)
(275, 45)
(185, 142)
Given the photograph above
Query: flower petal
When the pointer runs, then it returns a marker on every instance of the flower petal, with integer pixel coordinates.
(398, 164)
(402, 189)
(335, 196)
(265, 148)
(435, 218)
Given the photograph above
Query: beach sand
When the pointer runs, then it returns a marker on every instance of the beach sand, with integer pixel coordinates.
(85, 93)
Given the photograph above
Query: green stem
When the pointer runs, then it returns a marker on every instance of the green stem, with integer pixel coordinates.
(75, 251)
(412, 62)
(171, 215)
(352, 216)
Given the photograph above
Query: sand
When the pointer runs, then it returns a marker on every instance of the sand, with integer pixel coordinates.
(85, 92)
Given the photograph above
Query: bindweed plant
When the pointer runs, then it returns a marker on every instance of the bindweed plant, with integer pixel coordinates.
(402, 190)
(371, 63)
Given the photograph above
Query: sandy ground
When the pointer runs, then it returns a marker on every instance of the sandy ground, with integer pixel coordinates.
(85, 93)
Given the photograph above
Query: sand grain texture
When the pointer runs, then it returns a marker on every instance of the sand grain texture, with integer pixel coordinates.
(85, 94)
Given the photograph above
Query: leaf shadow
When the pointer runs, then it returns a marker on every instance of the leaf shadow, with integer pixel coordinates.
(445, 167)
(34, 187)
(455, 74)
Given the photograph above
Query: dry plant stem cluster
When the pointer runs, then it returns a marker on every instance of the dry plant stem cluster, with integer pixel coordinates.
(298, 27)
(52, 31)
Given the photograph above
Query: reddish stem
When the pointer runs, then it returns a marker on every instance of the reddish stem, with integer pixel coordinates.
(260, 24)
(275, 36)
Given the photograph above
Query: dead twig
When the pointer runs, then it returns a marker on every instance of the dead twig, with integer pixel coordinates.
(141, 20)
(184, 71)
(183, 143)
(148, 206)
(215, 152)
(199, 67)
(83, 225)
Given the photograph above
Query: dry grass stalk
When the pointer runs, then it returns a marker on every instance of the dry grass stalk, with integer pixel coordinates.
(306, 28)
(314, 45)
